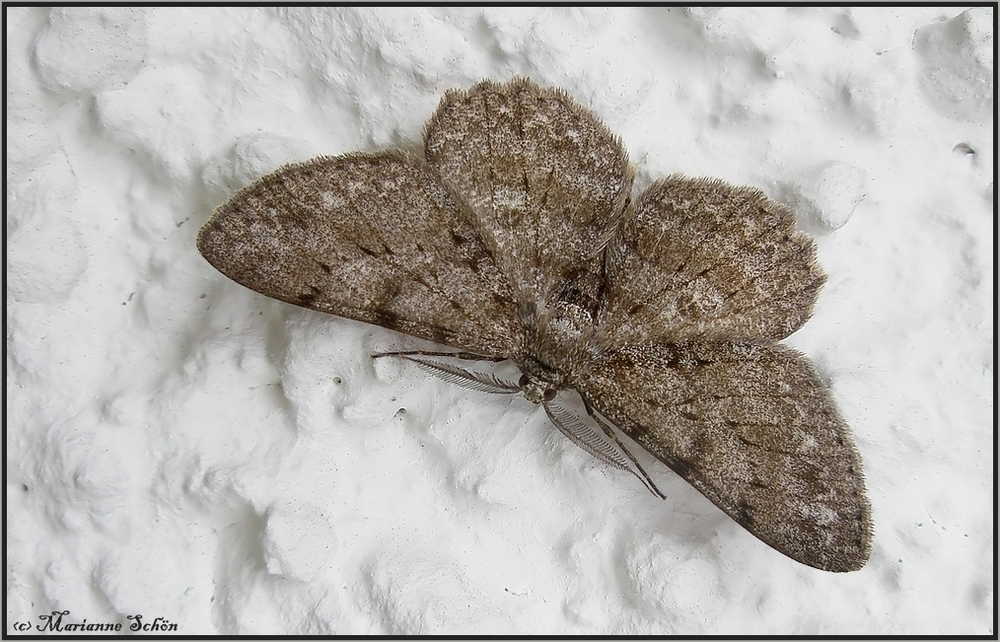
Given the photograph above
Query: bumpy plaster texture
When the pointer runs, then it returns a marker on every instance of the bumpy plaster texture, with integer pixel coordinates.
(179, 447)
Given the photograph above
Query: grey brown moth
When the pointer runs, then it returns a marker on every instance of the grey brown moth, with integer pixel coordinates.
(516, 238)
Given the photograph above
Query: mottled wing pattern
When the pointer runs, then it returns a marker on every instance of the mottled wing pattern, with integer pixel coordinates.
(755, 430)
(543, 178)
(698, 259)
(370, 237)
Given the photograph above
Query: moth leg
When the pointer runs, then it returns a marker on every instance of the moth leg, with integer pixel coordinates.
(609, 431)
(480, 381)
(466, 356)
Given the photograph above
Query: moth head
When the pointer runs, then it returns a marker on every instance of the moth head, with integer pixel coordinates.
(536, 390)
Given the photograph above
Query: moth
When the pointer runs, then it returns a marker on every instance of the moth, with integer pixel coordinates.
(516, 237)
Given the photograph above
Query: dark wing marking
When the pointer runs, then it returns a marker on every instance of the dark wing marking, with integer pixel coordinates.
(372, 237)
(755, 430)
(698, 259)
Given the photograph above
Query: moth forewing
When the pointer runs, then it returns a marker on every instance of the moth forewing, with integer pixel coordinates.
(371, 237)
(756, 431)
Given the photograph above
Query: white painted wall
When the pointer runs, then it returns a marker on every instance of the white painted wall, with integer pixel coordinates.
(180, 447)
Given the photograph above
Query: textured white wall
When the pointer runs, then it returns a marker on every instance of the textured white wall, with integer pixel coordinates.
(179, 447)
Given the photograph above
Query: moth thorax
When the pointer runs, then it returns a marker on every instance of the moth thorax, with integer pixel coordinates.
(564, 342)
